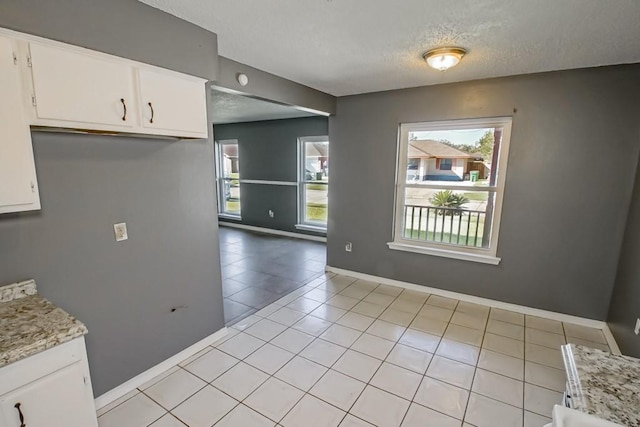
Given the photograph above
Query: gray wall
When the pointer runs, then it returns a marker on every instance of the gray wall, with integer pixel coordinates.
(625, 302)
(125, 28)
(574, 149)
(271, 87)
(123, 291)
(268, 151)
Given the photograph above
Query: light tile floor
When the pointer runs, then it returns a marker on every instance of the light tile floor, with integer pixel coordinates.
(346, 352)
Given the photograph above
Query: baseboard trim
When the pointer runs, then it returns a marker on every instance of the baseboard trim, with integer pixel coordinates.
(135, 382)
(591, 323)
(272, 231)
(611, 340)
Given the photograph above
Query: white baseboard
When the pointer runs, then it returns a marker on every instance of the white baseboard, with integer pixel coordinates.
(156, 370)
(591, 323)
(272, 231)
(611, 341)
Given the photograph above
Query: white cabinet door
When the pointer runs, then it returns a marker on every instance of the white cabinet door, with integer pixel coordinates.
(80, 87)
(56, 400)
(172, 102)
(18, 185)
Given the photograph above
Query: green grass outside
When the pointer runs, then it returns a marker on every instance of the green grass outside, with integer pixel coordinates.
(444, 238)
(232, 206)
(318, 187)
(316, 212)
(478, 197)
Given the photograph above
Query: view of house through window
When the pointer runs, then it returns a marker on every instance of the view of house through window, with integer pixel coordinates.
(450, 182)
(314, 180)
(228, 171)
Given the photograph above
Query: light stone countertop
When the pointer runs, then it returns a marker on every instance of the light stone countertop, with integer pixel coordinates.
(30, 324)
(603, 384)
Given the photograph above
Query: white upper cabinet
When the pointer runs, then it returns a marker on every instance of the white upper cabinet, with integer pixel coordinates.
(18, 184)
(80, 87)
(172, 102)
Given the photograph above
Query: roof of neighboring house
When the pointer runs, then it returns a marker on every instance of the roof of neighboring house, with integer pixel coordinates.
(431, 148)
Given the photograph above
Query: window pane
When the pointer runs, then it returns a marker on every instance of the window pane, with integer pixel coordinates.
(315, 207)
(461, 218)
(316, 161)
(465, 156)
(230, 178)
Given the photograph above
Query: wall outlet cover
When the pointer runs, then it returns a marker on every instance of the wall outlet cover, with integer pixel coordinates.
(348, 246)
(271, 213)
(120, 230)
(637, 329)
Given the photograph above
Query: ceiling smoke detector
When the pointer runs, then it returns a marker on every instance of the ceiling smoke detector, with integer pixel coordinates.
(444, 58)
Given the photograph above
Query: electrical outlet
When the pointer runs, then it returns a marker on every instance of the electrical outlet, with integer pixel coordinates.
(271, 213)
(637, 329)
(348, 246)
(120, 231)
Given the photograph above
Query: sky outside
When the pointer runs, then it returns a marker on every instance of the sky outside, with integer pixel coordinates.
(461, 136)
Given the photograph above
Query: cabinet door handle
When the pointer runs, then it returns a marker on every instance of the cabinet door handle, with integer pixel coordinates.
(124, 105)
(152, 112)
(17, 406)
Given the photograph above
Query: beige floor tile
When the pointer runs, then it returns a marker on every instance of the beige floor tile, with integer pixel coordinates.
(243, 416)
(397, 316)
(175, 388)
(420, 340)
(442, 397)
(578, 341)
(378, 298)
(338, 389)
(545, 376)
(356, 321)
(265, 329)
(269, 358)
(357, 365)
(211, 365)
(431, 326)
(452, 372)
(380, 408)
(535, 420)
(540, 400)
(410, 358)
(292, 340)
(504, 345)
(286, 316)
(386, 330)
(419, 416)
(498, 387)
(304, 305)
(341, 335)
(461, 352)
(499, 363)
(396, 380)
(351, 421)
(469, 320)
(301, 373)
(544, 355)
(507, 316)
(343, 302)
(240, 381)
(464, 335)
(505, 329)
(584, 333)
(274, 398)
(205, 407)
(435, 312)
(472, 308)
(486, 412)
(139, 410)
(323, 352)
(241, 345)
(168, 421)
(313, 412)
(444, 302)
(312, 325)
(544, 324)
(543, 338)
(373, 346)
(328, 312)
(368, 309)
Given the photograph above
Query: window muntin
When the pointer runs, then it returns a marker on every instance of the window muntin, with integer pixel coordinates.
(314, 181)
(228, 176)
(452, 200)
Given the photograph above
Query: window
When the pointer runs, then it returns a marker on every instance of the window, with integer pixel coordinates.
(452, 207)
(313, 177)
(228, 176)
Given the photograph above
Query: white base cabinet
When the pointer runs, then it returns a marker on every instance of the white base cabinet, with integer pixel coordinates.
(49, 389)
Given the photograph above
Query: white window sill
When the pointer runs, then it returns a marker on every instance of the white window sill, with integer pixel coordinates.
(230, 216)
(465, 256)
(314, 228)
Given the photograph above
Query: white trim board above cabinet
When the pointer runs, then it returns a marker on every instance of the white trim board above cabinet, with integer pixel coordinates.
(56, 86)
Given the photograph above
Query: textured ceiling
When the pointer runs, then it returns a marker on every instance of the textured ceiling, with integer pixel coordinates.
(346, 47)
(229, 108)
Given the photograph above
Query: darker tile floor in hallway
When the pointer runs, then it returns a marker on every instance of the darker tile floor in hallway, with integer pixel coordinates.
(258, 269)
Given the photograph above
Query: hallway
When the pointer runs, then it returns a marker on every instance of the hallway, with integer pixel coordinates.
(258, 269)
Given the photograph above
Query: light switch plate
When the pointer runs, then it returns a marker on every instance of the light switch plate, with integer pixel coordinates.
(120, 231)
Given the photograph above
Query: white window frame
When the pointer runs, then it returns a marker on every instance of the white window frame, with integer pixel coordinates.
(483, 255)
(220, 180)
(302, 181)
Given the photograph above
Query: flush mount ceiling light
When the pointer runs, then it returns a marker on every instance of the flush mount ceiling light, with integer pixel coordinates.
(444, 58)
